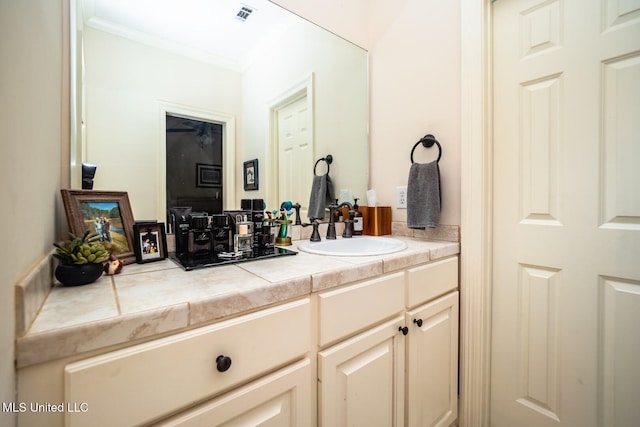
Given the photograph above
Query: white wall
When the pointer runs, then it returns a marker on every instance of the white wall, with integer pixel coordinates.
(31, 135)
(414, 48)
(124, 83)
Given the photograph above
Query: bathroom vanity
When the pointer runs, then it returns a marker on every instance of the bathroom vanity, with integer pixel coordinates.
(307, 340)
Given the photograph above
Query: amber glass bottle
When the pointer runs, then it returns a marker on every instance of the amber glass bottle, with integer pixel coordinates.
(358, 220)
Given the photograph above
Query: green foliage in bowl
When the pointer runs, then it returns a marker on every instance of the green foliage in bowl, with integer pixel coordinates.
(81, 250)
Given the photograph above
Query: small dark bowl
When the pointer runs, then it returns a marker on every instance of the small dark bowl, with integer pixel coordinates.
(78, 274)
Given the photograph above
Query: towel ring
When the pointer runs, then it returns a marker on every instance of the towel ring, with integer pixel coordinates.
(427, 141)
(328, 159)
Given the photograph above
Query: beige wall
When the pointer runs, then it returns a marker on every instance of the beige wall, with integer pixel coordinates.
(31, 132)
(126, 79)
(340, 115)
(414, 48)
(125, 83)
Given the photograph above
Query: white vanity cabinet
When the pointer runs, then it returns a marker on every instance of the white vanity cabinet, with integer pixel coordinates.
(377, 352)
(150, 381)
(401, 365)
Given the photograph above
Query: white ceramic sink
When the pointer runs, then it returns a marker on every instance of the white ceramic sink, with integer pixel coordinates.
(354, 246)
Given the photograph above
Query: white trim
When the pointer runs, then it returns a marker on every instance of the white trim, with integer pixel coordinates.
(228, 150)
(77, 146)
(476, 214)
(294, 93)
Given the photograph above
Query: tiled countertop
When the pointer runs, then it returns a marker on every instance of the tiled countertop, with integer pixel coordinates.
(156, 298)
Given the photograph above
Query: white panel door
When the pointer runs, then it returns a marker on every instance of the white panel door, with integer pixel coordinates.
(295, 154)
(566, 231)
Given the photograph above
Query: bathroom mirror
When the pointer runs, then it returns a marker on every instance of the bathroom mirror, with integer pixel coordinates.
(285, 91)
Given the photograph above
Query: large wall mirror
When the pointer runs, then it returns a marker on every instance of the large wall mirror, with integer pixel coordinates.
(279, 90)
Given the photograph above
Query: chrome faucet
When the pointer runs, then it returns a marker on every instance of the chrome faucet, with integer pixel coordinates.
(348, 223)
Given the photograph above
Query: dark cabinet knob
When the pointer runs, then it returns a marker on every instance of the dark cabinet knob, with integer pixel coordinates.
(223, 363)
(404, 330)
(418, 322)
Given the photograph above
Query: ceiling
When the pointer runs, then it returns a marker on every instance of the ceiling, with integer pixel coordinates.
(206, 29)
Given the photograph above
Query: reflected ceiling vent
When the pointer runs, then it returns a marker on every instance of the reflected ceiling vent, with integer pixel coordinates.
(244, 12)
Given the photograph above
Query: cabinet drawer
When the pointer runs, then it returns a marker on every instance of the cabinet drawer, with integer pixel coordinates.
(350, 309)
(144, 382)
(281, 398)
(429, 281)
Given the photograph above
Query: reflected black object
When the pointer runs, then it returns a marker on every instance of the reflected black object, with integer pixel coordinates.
(88, 173)
(180, 226)
(191, 262)
(222, 234)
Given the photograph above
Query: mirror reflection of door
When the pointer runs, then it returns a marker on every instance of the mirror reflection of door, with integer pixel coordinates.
(194, 164)
(295, 153)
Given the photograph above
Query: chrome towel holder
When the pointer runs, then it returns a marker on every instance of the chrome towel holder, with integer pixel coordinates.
(427, 141)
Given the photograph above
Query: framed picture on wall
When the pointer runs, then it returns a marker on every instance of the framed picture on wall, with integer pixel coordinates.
(208, 175)
(251, 175)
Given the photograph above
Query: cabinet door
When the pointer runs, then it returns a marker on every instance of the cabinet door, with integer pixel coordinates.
(432, 363)
(278, 400)
(361, 380)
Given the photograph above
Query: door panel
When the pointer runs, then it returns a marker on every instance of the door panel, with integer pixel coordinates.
(295, 154)
(361, 379)
(432, 368)
(566, 213)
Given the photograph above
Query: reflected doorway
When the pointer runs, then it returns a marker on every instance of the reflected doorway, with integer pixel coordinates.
(194, 164)
(295, 153)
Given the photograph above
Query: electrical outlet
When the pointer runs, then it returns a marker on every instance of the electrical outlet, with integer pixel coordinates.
(401, 197)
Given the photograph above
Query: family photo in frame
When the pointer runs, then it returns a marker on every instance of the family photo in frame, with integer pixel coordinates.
(105, 213)
(150, 242)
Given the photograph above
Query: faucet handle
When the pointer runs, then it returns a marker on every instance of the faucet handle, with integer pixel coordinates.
(315, 235)
(348, 228)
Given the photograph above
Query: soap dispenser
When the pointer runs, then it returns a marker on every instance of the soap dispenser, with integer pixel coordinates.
(358, 220)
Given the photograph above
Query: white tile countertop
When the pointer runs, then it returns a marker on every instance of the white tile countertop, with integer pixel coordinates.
(157, 298)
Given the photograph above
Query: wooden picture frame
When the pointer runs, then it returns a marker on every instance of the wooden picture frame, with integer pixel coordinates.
(107, 213)
(150, 242)
(251, 176)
